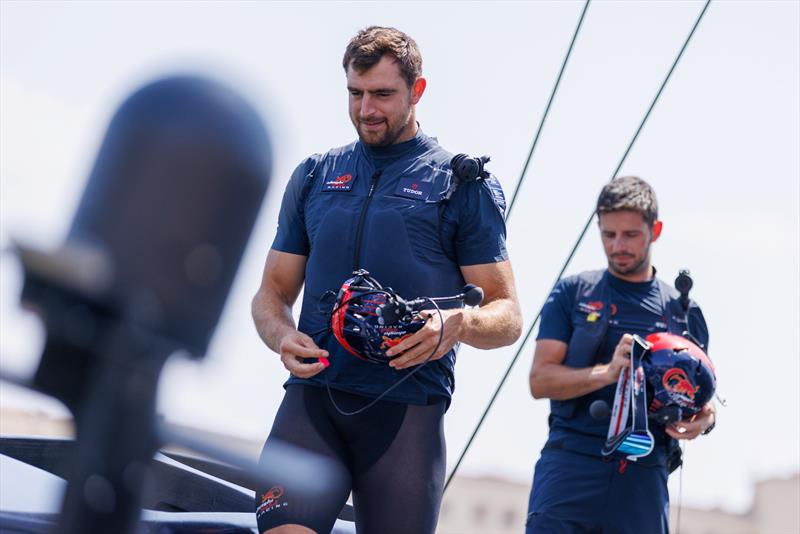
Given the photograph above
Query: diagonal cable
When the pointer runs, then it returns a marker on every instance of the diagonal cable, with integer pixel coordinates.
(546, 112)
(575, 247)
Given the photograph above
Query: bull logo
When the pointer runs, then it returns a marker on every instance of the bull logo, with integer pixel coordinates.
(675, 381)
(270, 501)
(343, 179)
(272, 494)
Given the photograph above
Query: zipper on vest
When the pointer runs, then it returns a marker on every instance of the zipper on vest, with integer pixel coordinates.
(362, 218)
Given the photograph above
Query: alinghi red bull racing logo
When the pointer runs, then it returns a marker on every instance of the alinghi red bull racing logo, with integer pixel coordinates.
(272, 499)
(677, 383)
(343, 182)
(389, 341)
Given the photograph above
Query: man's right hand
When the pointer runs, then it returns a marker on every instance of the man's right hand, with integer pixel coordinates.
(620, 360)
(294, 347)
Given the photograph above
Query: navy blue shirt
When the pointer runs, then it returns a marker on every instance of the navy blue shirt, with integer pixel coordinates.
(419, 228)
(632, 308)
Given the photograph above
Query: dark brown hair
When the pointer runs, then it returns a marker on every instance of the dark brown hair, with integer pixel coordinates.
(369, 45)
(629, 193)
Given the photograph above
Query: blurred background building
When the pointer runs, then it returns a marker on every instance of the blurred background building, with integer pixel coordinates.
(487, 505)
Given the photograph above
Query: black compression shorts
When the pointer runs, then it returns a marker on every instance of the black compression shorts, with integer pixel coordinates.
(392, 457)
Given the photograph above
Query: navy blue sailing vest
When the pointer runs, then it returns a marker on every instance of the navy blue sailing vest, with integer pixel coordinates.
(409, 224)
(587, 338)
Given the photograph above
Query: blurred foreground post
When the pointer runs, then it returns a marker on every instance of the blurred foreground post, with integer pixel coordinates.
(144, 272)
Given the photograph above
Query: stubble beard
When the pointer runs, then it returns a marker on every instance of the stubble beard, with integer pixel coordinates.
(638, 268)
(390, 136)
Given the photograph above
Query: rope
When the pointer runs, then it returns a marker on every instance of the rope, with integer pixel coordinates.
(575, 247)
(546, 112)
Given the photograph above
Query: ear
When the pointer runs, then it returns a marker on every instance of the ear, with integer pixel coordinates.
(657, 227)
(417, 89)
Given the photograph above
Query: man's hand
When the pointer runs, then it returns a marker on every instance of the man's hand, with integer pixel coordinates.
(294, 347)
(695, 425)
(416, 348)
(620, 359)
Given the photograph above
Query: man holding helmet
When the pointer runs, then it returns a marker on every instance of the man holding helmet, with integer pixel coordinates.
(583, 345)
(388, 210)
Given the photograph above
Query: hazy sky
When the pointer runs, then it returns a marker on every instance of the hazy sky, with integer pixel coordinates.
(721, 149)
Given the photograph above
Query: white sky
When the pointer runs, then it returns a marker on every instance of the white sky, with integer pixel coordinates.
(721, 149)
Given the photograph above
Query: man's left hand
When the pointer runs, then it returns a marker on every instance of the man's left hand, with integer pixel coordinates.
(694, 426)
(416, 348)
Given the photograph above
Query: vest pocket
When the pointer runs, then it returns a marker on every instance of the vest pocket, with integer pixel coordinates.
(585, 344)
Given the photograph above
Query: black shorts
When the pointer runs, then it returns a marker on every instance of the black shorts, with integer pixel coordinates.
(391, 456)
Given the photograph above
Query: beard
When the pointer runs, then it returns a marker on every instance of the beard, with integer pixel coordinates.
(635, 267)
(390, 134)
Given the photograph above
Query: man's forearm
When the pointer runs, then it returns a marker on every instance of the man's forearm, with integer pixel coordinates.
(559, 382)
(273, 318)
(497, 324)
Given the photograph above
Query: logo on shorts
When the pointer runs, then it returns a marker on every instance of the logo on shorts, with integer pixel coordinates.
(271, 500)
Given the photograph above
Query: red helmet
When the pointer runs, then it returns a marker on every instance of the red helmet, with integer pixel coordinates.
(680, 376)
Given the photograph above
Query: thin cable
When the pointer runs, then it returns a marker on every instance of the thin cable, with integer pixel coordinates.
(546, 112)
(398, 382)
(680, 491)
(574, 249)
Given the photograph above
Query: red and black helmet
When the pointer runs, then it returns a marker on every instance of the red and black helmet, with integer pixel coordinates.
(680, 376)
(356, 323)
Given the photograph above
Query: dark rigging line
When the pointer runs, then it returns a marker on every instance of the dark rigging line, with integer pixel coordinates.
(546, 112)
(575, 248)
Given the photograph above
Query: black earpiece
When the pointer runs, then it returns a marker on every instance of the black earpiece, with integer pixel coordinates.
(684, 283)
(468, 169)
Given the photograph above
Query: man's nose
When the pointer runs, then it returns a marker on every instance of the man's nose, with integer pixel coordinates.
(367, 108)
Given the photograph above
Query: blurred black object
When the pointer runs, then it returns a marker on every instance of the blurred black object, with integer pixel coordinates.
(144, 272)
(599, 410)
(684, 283)
(468, 169)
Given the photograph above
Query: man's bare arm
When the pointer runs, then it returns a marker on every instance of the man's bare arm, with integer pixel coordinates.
(496, 323)
(551, 379)
(281, 282)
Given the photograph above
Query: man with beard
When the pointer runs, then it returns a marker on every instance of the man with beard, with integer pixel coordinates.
(387, 203)
(584, 342)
